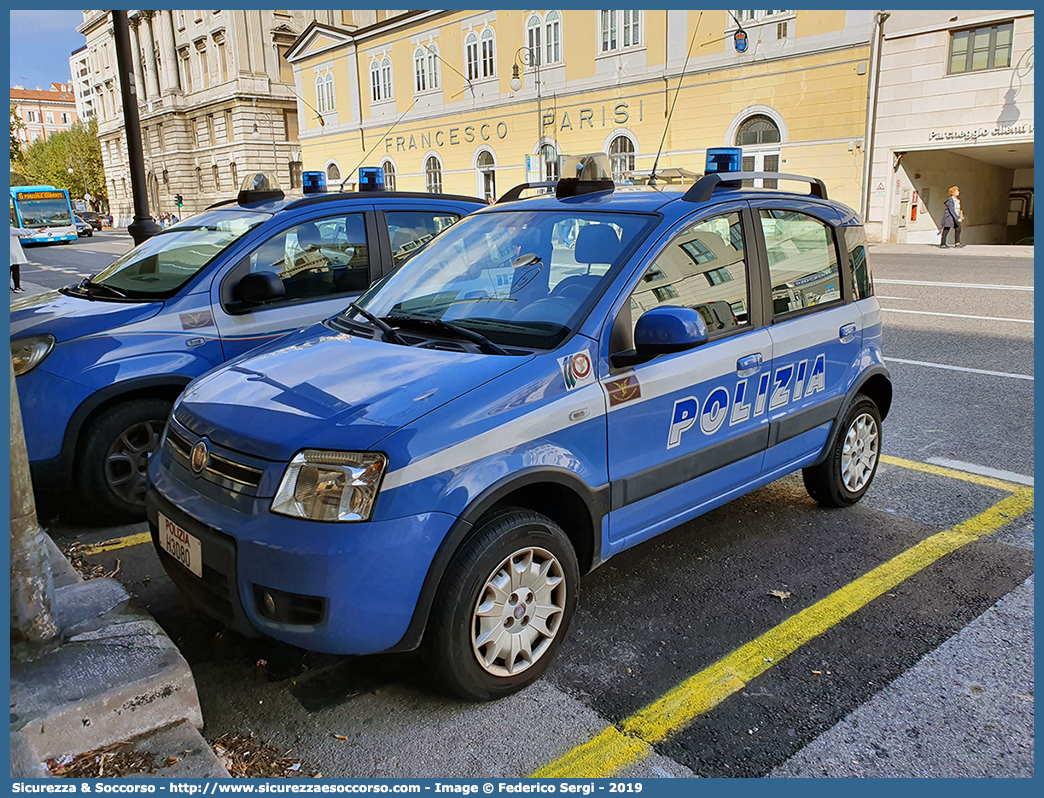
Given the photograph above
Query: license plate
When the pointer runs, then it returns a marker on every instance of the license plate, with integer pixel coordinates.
(180, 545)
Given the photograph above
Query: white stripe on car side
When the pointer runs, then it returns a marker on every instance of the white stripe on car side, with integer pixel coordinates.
(542, 422)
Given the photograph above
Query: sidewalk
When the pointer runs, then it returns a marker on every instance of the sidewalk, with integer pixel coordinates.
(969, 251)
(115, 676)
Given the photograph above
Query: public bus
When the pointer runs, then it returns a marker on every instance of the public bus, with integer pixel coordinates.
(45, 210)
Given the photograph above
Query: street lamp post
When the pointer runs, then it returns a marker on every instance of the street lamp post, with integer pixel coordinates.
(72, 171)
(257, 135)
(530, 57)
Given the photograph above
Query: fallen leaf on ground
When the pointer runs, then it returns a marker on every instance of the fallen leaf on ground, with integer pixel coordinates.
(780, 594)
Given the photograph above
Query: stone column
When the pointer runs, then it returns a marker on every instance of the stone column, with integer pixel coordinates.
(139, 75)
(152, 78)
(170, 79)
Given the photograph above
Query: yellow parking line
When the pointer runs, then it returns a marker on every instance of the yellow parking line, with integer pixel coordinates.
(619, 746)
(939, 471)
(117, 543)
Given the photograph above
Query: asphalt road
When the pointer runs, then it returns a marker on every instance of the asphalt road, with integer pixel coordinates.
(933, 677)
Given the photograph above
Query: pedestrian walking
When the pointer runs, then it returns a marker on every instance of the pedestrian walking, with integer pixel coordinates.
(17, 258)
(953, 217)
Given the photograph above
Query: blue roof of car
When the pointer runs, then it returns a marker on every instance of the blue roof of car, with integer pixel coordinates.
(656, 199)
(297, 200)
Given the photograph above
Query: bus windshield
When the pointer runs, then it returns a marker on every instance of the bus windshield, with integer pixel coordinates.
(51, 212)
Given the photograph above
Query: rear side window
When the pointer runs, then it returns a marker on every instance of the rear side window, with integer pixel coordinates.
(703, 268)
(862, 281)
(408, 231)
(802, 260)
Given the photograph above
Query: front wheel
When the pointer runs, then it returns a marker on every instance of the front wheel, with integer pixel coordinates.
(504, 606)
(845, 475)
(114, 452)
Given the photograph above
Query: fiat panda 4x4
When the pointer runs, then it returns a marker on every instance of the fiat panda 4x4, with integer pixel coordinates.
(551, 381)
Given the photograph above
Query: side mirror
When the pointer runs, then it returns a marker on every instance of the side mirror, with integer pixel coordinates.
(257, 288)
(661, 331)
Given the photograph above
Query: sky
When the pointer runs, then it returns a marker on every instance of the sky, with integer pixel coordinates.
(41, 43)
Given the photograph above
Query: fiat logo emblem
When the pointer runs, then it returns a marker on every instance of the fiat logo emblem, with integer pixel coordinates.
(199, 458)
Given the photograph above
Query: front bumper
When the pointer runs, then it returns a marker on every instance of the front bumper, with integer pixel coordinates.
(368, 576)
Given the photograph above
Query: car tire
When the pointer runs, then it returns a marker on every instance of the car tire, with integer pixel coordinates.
(114, 450)
(514, 585)
(845, 475)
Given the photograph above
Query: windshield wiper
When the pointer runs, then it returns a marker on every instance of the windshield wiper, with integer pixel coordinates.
(468, 335)
(380, 324)
(87, 284)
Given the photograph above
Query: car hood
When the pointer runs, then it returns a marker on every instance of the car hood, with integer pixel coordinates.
(319, 388)
(68, 317)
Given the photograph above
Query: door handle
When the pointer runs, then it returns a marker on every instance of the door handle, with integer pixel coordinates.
(847, 333)
(748, 365)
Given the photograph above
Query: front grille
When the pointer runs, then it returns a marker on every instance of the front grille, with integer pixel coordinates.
(220, 470)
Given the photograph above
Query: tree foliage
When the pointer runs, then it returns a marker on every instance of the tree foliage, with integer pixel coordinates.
(16, 125)
(48, 162)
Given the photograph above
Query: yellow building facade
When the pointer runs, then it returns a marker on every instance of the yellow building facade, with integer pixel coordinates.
(475, 102)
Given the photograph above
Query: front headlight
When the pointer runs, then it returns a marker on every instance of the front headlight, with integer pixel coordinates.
(330, 486)
(28, 353)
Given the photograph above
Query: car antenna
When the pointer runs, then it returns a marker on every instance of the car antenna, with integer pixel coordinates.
(667, 124)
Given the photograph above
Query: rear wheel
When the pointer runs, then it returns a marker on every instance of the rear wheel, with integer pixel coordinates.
(845, 475)
(504, 606)
(114, 452)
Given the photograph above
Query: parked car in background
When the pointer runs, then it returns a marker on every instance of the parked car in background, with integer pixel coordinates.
(92, 219)
(82, 228)
(99, 363)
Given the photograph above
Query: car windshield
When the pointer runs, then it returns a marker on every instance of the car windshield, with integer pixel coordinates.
(162, 264)
(520, 278)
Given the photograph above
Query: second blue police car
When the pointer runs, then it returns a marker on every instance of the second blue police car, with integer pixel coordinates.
(552, 381)
(99, 364)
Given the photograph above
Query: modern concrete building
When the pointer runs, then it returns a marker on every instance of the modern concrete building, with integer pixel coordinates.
(953, 93)
(216, 100)
(478, 101)
(43, 111)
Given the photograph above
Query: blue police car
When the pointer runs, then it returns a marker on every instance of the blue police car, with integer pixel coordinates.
(554, 380)
(99, 364)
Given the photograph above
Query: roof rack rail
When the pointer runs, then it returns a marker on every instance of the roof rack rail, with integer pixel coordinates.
(513, 194)
(704, 187)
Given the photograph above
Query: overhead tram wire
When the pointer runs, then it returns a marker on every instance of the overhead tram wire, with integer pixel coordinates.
(389, 130)
(667, 124)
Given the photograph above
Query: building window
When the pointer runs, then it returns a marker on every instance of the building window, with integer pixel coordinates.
(204, 69)
(488, 58)
(30, 116)
(222, 56)
(549, 155)
(199, 178)
(320, 103)
(426, 67)
(753, 16)
(230, 134)
(381, 79)
(433, 175)
(329, 91)
(471, 55)
(981, 48)
(621, 157)
(333, 173)
(553, 29)
(296, 175)
(717, 276)
(217, 177)
(386, 77)
(211, 137)
(664, 293)
(486, 165)
(620, 29)
(757, 130)
(50, 117)
(389, 175)
(375, 82)
(533, 37)
(235, 174)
